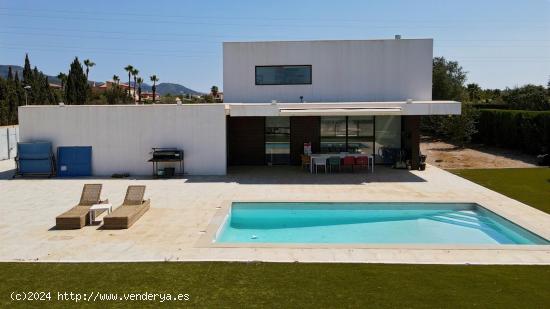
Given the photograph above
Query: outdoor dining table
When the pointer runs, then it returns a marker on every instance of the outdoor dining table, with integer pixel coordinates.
(325, 156)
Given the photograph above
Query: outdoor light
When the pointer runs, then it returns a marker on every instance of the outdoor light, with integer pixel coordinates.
(26, 88)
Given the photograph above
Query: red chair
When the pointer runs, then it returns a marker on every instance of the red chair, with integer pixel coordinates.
(348, 161)
(362, 162)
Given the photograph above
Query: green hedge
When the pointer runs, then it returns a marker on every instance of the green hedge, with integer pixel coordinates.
(528, 131)
(490, 105)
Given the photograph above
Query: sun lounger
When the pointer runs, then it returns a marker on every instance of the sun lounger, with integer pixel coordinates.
(77, 217)
(133, 207)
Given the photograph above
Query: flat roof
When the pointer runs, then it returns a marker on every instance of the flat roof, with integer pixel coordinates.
(308, 41)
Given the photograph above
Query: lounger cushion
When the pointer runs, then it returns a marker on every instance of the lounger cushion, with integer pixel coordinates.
(125, 215)
(74, 218)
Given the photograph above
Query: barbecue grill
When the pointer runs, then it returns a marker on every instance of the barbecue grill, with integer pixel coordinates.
(166, 155)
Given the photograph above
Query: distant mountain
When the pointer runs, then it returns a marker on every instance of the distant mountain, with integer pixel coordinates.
(174, 89)
(19, 69)
(162, 88)
(168, 88)
(15, 68)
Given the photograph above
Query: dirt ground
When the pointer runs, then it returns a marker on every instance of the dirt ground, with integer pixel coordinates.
(448, 156)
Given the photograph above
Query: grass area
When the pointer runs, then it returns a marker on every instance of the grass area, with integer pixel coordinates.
(528, 185)
(263, 285)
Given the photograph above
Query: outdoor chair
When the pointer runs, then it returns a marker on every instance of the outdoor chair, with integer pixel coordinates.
(319, 162)
(133, 207)
(362, 162)
(333, 162)
(306, 161)
(348, 162)
(77, 217)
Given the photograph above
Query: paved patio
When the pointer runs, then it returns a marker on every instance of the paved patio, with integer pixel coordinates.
(182, 209)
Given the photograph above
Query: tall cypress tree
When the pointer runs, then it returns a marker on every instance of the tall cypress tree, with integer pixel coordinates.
(4, 101)
(12, 100)
(77, 89)
(10, 74)
(36, 95)
(27, 72)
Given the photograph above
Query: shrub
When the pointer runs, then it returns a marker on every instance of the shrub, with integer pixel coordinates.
(458, 129)
(528, 97)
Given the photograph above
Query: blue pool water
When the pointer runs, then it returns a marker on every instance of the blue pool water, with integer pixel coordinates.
(370, 223)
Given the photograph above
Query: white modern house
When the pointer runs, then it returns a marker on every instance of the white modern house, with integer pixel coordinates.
(339, 96)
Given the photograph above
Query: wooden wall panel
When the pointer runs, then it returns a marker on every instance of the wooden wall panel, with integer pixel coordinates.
(303, 130)
(245, 140)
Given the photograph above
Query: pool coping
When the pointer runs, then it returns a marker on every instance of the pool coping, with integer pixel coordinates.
(206, 240)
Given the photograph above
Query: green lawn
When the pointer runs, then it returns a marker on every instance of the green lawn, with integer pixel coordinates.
(268, 285)
(528, 185)
(283, 285)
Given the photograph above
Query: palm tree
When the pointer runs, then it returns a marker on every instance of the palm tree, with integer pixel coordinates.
(135, 72)
(154, 79)
(63, 78)
(116, 91)
(139, 82)
(129, 68)
(214, 91)
(88, 63)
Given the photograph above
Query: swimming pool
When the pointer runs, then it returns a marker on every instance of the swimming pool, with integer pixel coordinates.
(370, 223)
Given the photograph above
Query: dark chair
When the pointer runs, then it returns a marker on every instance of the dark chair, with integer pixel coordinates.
(333, 162)
(362, 162)
(306, 161)
(348, 161)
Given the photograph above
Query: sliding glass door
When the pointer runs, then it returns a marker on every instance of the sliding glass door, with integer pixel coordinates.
(277, 140)
(361, 134)
(354, 134)
(388, 139)
(333, 134)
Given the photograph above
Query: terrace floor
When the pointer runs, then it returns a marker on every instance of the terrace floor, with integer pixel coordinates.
(182, 209)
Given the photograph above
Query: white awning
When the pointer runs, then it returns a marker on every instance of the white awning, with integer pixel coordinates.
(341, 111)
(397, 108)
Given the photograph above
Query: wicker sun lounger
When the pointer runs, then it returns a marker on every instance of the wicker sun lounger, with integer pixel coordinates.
(77, 217)
(133, 207)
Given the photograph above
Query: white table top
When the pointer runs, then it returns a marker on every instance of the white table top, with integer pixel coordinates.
(321, 155)
(101, 206)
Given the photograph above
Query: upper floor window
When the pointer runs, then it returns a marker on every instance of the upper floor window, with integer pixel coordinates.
(283, 75)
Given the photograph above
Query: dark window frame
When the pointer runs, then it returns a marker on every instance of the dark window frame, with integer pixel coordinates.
(284, 65)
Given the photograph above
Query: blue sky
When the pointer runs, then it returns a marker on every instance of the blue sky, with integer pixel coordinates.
(500, 43)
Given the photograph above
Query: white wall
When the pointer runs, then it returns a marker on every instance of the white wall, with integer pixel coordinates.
(9, 136)
(122, 136)
(349, 71)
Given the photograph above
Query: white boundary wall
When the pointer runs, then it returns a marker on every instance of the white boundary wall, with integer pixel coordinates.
(122, 136)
